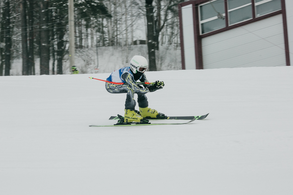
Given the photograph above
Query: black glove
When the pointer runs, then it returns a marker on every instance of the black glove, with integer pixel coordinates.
(155, 86)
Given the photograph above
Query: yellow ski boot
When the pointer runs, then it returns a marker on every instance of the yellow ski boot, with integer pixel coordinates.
(151, 113)
(148, 112)
(132, 116)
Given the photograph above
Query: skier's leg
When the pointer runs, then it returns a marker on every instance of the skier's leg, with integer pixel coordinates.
(130, 102)
(142, 100)
(144, 110)
(130, 115)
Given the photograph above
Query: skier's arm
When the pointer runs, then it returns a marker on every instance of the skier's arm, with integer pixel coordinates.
(128, 79)
(152, 86)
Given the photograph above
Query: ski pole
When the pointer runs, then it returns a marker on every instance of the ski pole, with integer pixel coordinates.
(115, 83)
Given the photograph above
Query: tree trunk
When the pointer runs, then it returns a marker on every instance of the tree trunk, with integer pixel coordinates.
(86, 41)
(31, 61)
(80, 43)
(60, 50)
(158, 24)
(92, 38)
(52, 33)
(8, 39)
(60, 32)
(24, 48)
(2, 39)
(126, 31)
(116, 23)
(110, 26)
(103, 34)
(44, 38)
(150, 35)
(131, 26)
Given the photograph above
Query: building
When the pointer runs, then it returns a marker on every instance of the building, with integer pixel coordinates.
(231, 33)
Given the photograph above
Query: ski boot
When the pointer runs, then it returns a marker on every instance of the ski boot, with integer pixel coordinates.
(132, 116)
(151, 113)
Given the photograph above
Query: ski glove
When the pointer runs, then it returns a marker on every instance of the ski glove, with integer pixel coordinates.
(156, 86)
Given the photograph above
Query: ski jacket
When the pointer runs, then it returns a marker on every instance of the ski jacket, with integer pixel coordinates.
(126, 76)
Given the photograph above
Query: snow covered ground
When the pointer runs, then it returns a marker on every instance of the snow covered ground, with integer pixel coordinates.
(244, 147)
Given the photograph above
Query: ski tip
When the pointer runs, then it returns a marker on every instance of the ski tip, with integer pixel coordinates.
(201, 117)
(205, 116)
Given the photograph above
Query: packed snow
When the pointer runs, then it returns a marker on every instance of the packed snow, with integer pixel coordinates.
(244, 147)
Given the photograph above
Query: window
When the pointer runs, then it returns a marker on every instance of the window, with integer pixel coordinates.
(212, 25)
(263, 7)
(239, 11)
(212, 16)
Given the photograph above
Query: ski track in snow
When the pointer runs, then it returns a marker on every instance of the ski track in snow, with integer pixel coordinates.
(245, 145)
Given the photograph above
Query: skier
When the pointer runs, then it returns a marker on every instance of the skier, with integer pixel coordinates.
(74, 70)
(129, 75)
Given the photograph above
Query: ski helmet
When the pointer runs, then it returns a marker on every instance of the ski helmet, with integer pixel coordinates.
(138, 64)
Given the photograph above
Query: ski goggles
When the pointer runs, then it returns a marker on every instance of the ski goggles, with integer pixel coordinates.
(141, 69)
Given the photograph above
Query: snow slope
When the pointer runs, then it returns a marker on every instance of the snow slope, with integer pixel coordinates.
(244, 147)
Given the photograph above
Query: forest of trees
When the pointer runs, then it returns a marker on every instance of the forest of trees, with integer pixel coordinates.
(32, 29)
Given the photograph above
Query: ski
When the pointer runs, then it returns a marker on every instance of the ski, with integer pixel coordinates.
(121, 124)
(199, 117)
(143, 124)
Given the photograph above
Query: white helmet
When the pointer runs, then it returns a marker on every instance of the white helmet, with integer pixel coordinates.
(138, 64)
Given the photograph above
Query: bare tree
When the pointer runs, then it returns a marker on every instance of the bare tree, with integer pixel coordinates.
(61, 17)
(2, 59)
(31, 59)
(150, 34)
(24, 44)
(7, 36)
(159, 22)
(44, 38)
